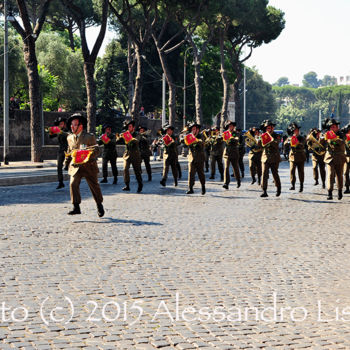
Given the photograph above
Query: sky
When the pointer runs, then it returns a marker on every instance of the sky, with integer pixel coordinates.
(316, 38)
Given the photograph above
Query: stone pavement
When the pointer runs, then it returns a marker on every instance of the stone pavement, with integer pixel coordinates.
(162, 269)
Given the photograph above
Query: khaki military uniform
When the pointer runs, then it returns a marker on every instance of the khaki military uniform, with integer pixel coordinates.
(270, 159)
(347, 165)
(88, 170)
(231, 157)
(145, 152)
(297, 158)
(109, 154)
(196, 159)
(132, 156)
(318, 164)
(241, 151)
(335, 160)
(216, 149)
(254, 157)
(170, 159)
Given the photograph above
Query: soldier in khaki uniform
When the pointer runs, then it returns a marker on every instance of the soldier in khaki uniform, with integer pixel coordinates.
(170, 155)
(297, 156)
(254, 156)
(335, 157)
(270, 158)
(131, 156)
(318, 152)
(80, 139)
(346, 132)
(109, 153)
(145, 149)
(196, 159)
(231, 155)
(241, 152)
(62, 148)
(216, 149)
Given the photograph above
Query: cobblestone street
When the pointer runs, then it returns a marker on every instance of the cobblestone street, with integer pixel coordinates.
(228, 270)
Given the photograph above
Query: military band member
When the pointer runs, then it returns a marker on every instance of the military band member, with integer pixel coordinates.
(335, 157)
(82, 155)
(109, 153)
(145, 149)
(216, 149)
(61, 133)
(270, 158)
(297, 155)
(170, 155)
(196, 157)
(254, 154)
(346, 131)
(241, 152)
(132, 155)
(231, 153)
(317, 145)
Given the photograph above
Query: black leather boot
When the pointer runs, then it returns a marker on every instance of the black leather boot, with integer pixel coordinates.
(139, 188)
(278, 192)
(104, 181)
(126, 188)
(264, 194)
(162, 182)
(330, 195)
(75, 210)
(115, 181)
(340, 194)
(100, 210)
(60, 185)
(190, 190)
(203, 189)
(225, 186)
(347, 189)
(301, 188)
(253, 181)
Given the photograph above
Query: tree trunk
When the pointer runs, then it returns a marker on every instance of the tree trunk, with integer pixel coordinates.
(70, 34)
(136, 101)
(225, 84)
(89, 70)
(36, 127)
(131, 75)
(198, 88)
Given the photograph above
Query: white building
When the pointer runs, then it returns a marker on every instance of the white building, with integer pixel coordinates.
(343, 80)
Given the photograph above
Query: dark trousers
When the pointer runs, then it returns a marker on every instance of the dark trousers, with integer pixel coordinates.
(255, 168)
(265, 174)
(136, 164)
(91, 179)
(113, 161)
(170, 163)
(213, 161)
(319, 165)
(293, 167)
(234, 163)
(193, 168)
(60, 160)
(147, 165)
(335, 172)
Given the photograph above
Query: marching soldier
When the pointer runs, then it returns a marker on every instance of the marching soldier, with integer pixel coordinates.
(145, 149)
(109, 153)
(346, 131)
(270, 158)
(297, 155)
(170, 156)
(254, 154)
(335, 157)
(82, 155)
(317, 145)
(216, 149)
(61, 132)
(241, 152)
(195, 157)
(231, 153)
(132, 155)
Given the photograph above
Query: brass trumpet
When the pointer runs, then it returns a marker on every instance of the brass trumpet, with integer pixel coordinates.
(315, 145)
(250, 140)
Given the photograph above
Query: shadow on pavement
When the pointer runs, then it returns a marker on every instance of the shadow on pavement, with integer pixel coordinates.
(314, 201)
(108, 220)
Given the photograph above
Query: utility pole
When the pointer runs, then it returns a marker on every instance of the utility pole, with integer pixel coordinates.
(6, 90)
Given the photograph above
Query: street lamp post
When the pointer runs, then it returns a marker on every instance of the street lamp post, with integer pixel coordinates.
(184, 111)
(6, 89)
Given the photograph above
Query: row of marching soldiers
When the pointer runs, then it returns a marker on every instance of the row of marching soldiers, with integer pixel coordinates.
(82, 150)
